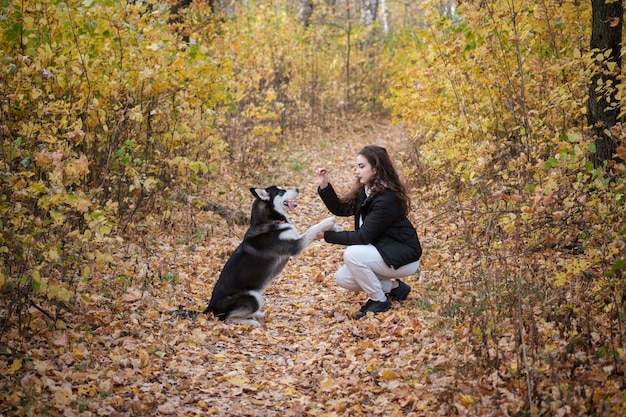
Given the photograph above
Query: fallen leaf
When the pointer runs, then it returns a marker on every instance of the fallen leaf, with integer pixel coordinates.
(15, 366)
(132, 294)
(388, 374)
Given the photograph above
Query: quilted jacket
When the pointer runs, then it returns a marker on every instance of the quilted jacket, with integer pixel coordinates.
(384, 225)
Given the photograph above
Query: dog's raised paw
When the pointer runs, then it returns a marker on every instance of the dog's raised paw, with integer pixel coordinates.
(328, 223)
(337, 228)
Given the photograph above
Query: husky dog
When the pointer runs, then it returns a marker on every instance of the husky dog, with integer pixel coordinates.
(266, 247)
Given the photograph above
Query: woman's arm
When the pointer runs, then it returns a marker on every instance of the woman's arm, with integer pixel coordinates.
(332, 202)
(384, 211)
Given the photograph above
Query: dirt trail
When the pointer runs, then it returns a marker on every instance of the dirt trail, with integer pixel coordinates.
(310, 357)
(124, 357)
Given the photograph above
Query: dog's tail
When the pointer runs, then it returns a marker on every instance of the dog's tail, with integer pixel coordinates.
(192, 314)
(188, 314)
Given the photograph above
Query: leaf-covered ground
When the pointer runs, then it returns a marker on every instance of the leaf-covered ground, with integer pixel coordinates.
(120, 354)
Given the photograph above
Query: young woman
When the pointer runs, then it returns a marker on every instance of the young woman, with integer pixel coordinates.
(384, 245)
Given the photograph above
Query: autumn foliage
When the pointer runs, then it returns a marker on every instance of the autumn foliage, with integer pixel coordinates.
(126, 154)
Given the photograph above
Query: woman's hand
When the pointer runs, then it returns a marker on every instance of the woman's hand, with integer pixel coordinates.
(322, 177)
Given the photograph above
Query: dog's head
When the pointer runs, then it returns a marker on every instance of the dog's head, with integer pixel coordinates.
(277, 198)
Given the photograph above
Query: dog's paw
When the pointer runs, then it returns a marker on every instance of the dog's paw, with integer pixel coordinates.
(327, 224)
(337, 228)
(249, 322)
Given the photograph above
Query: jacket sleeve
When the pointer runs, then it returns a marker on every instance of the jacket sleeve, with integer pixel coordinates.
(332, 202)
(384, 211)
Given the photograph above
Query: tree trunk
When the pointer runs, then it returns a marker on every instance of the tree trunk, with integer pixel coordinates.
(384, 14)
(603, 107)
(369, 12)
(304, 12)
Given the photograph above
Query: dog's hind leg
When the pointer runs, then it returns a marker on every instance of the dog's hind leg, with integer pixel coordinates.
(247, 309)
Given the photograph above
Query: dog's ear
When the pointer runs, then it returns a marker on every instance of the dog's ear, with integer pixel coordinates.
(260, 193)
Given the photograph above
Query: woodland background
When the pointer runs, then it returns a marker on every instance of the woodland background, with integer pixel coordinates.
(130, 132)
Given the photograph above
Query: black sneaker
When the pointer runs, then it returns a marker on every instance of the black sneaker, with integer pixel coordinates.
(375, 307)
(400, 292)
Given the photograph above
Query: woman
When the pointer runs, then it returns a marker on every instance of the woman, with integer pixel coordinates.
(384, 245)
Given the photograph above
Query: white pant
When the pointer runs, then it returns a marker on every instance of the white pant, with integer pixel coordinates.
(365, 270)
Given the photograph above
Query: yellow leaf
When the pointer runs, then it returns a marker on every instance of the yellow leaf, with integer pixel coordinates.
(87, 390)
(560, 279)
(77, 354)
(467, 400)
(15, 366)
(388, 374)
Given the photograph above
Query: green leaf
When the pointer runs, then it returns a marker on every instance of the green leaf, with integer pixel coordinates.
(592, 147)
(196, 166)
(552, 162)
(616, 267)
(38, 284)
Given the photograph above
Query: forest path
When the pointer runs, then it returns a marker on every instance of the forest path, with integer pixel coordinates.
(122, 356)
(309, 357)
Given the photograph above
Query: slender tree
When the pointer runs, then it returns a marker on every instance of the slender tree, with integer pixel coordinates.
(603, 107)
(384, 15)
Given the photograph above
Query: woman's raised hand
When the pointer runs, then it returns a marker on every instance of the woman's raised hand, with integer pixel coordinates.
(322, 177)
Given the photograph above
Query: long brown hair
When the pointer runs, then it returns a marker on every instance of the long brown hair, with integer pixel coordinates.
(386, 178)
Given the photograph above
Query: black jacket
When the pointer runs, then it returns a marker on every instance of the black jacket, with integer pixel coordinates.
(384, 225)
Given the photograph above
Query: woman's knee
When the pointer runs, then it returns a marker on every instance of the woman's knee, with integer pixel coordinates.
(353, 255)
(344, 279)
(342, 275)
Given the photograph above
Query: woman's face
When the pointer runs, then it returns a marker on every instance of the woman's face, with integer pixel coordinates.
(364, 170)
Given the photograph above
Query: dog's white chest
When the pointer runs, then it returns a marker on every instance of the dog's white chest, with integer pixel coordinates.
(289, 232)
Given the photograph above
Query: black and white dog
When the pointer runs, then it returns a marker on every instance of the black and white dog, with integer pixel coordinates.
(266, 247)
